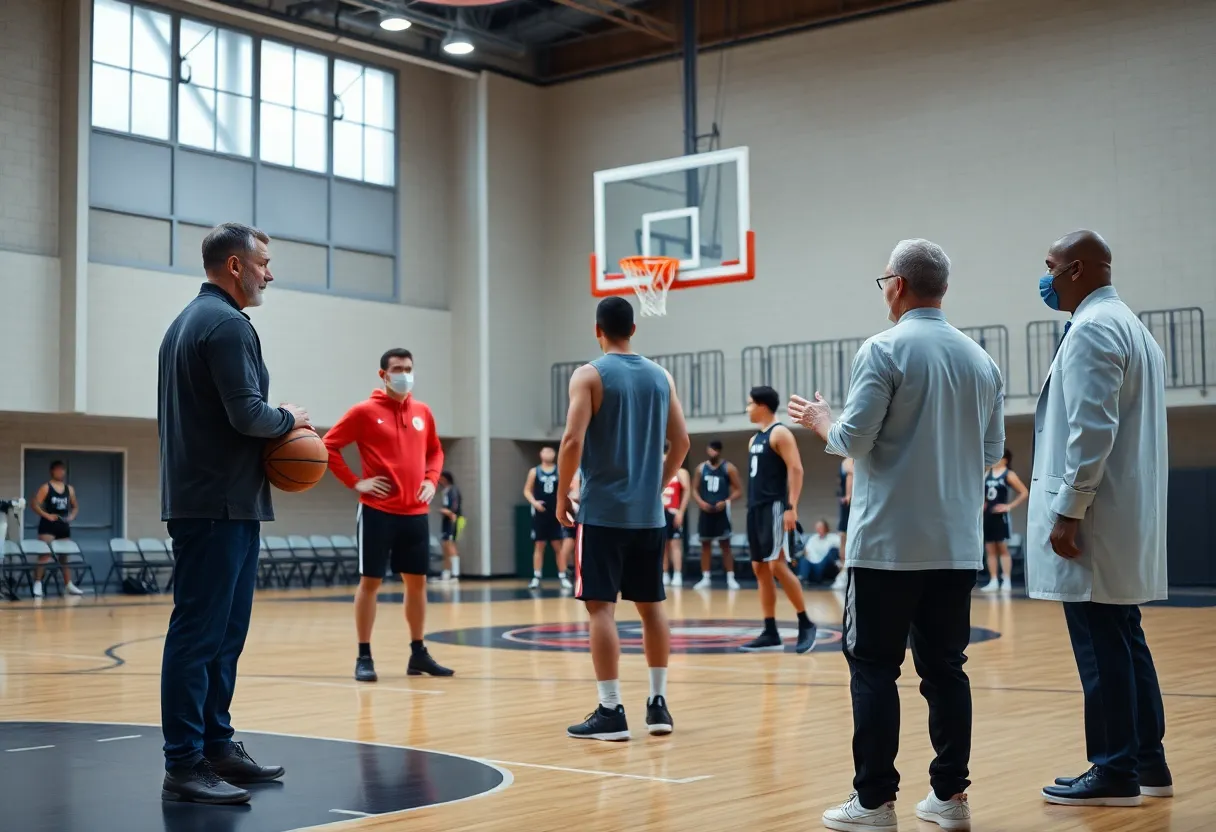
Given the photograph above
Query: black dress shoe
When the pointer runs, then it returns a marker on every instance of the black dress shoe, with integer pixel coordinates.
(421, 662)
(200, 784)
(1094, 789)
(236, 766)
(1157, 782)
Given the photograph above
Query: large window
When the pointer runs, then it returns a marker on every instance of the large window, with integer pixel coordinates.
(215, 89)
(195, 124)
(363, 123)
(131, 69)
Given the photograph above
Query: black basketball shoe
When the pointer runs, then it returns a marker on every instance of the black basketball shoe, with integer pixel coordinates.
(658, 718)
(767, 641)
(421, 662)
(200, 784)
(234, 765)
(365, 669)
(806, 638)
(602, 724)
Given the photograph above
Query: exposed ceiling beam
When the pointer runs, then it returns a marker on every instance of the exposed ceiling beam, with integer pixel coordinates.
(621, 15)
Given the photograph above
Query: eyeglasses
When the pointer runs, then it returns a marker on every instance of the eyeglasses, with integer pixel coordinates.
(879, 280)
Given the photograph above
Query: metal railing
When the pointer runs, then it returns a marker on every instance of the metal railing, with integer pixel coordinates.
(995, 341)
(1042, 341)
(802, 368)
(700, 380)
(1179, 332)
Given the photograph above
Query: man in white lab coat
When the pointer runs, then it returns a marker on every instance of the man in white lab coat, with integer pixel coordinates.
(1096, 519)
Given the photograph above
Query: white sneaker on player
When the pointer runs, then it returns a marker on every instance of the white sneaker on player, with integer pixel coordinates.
(992, 586)
(704, 583)
(666, 579)
(534, 583)
(677, 579)
(851, 816)
(954, 813)
(566, 582)
(731, 583)
(37, 589)
(72, 589)
(1006, 585)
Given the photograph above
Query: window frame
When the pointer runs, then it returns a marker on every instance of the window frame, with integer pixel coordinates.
(254, 161)
(363, 124)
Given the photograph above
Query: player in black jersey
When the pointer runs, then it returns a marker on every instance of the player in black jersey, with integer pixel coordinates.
(540, 489)
(774, 484)
(997, 506)
(55, 505)
(715, 487)
(452, 509)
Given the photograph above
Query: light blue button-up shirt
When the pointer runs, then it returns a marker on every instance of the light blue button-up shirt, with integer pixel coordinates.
(924, 418)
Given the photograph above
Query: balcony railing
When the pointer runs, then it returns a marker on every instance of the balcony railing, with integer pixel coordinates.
(1180, 334)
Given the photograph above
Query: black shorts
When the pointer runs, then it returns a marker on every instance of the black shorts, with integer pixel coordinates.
(450, 530)
(58, 529)
(714, 525)
(766, 535)
(610, 561)
(842, 524)
(671, 531)
(400, 540)
(545, 527)
(996, 528)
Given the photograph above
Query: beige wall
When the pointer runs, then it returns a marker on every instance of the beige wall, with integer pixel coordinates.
(29, 331)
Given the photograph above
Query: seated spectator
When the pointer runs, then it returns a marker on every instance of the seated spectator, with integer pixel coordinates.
(821, 559)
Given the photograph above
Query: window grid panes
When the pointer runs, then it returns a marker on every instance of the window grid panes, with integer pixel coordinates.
(295, 107)
(215, 89)
(363, 123)
(131, 69)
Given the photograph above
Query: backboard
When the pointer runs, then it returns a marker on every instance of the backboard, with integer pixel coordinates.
(694, 207)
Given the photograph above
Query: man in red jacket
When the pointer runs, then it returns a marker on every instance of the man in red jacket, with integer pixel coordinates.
(402, 460)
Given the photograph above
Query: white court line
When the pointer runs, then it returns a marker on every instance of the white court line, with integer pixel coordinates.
(600, 773)
(31, 748)
(127, 737)
(352, 813)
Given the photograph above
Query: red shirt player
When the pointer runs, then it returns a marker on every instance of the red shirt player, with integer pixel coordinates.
(675, 500)
(402, 459)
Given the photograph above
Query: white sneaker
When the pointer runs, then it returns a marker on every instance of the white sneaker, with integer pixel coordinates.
(73, 589)
(37, 589)
(992, 586)
(1006, 585)
(702, 584)
(566, 582)
(731, 583)
(534, 584)
(677, 579)
(853, 817)
(948, 814)
(666, 579)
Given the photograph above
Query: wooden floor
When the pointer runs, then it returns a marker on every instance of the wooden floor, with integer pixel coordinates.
(761, 741)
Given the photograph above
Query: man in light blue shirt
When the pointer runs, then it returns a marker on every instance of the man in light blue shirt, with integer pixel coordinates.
(923, 420)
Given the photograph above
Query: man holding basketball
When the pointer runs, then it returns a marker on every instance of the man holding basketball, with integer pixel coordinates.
(214, 421)
(402, 462)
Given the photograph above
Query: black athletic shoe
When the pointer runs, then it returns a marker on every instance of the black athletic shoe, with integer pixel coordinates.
(766, 641)
(200, 784)
(1094, 789)
(658, 718)
(806, 638)
(236, 766)
(365, 669)
(602, 724)
(1153, 782)
(421, 662)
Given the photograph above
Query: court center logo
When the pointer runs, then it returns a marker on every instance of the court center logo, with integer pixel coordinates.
(714, 635)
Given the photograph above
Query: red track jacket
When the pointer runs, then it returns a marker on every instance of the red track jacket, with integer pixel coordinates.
(396, 440)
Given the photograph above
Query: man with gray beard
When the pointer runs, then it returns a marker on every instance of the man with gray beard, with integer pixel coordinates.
(214, 421)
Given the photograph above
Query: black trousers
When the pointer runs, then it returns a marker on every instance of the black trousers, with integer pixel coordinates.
(215, 572)
(885, 609)
(1124, 714)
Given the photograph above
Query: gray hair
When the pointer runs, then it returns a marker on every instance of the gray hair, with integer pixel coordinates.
(229, 239)
(924, 266)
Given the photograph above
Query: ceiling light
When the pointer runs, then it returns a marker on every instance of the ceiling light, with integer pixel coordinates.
(395, 24)
(457, 43)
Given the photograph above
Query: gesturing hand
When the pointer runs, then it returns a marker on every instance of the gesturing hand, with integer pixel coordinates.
(379, 486)
(813, 415)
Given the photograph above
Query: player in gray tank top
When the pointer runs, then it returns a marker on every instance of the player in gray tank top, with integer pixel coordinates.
(623, 408)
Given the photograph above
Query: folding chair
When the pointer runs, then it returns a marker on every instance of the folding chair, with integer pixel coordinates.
(124, 557)
(155, 556)
(305, 556)
(15, 569)
(281, 561)
(348, 557)
(68, 554)
(35, 549)
(328, 559)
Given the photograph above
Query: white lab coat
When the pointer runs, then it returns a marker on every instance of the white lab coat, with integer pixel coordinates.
(1101, 455)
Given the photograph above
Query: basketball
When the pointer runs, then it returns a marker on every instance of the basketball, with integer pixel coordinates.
(297, 461)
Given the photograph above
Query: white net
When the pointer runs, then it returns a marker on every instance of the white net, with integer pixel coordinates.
(651, 278)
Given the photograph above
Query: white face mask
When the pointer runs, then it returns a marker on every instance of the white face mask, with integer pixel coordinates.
(401, 383)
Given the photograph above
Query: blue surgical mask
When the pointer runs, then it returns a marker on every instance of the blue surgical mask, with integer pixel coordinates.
(401, 383)
(1047, 291)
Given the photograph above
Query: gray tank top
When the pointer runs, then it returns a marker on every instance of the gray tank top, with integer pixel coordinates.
(622, 463)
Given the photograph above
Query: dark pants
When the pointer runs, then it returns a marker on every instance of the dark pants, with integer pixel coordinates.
(214, 575)
(1124, 715)
(883, 609)
(818, 573)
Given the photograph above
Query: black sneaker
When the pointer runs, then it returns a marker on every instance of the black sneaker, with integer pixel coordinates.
(236, 766)
(806, 638)
(658, 718)
(602, 724)
(1156, 782)
(365, 669)
(421, 662)
(765, 642)
(1094, 789)
(200, 784)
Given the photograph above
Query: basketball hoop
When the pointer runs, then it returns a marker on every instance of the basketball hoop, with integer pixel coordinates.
(651, 277)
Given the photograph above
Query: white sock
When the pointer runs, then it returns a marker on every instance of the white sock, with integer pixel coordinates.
(456, 566)
(730, 575)
(610, 693)
(536, 574)
(658, 683)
